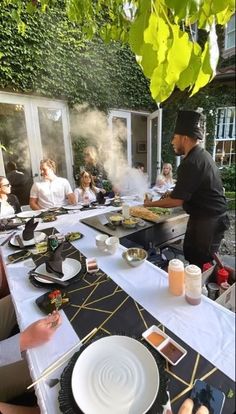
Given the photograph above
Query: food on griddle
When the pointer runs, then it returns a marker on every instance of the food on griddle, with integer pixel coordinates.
(159, 210)
(144, 213)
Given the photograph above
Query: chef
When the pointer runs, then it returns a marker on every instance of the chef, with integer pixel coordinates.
(198, 190)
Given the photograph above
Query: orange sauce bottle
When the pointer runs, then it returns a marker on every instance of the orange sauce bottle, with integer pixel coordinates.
(176, 277)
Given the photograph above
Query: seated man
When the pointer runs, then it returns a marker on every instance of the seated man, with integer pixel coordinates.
(14, 371)
(52, 191)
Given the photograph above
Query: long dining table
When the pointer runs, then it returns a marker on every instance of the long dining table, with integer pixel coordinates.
(206, 330)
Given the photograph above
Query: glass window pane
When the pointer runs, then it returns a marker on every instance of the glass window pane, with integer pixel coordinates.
(51, 130)
(13, 136)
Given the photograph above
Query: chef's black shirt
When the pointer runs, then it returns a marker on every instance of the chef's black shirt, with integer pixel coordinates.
(199, 185)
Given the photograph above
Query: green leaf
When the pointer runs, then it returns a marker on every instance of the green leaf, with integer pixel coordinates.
(137, 29)
(189, 75)
(148, 60)
(178, 55)
(159, 88)
(183, 8)
(205, 72)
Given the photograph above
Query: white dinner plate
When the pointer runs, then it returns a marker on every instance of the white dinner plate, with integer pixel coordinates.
(40, 237)
(29, 214)
(70, 268)
(73, 207)
(117, 375)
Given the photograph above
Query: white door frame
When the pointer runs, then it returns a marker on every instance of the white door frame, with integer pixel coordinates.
(157, 114)
(31, 104)
(127, 116)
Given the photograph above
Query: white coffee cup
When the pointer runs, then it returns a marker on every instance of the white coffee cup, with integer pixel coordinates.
(100, 241)
(112, 244)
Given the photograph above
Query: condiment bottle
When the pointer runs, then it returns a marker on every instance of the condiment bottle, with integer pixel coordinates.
(125, 211)
(222, 276)
(176, 277)
(193, 284)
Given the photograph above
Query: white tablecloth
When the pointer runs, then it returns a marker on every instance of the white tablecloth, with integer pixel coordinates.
(208, 328)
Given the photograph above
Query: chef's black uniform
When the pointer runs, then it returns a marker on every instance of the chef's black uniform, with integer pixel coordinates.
(200, 186)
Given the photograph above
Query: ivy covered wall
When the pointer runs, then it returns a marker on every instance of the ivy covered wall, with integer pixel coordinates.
(51, 60)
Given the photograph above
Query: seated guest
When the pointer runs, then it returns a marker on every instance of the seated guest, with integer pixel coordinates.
(13, 366)
(164, 181)
(87, 192)
(9, 203)
(52, 191)
(20, 182)
(92, 165)
(139, 166)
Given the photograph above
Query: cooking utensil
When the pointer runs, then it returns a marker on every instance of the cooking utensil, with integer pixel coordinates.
(49, 278)
(19, 240)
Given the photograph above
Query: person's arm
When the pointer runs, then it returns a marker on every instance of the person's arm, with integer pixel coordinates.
(71, 198)
(165, 203)
(33, 202)
(39, 332)
(34, 197)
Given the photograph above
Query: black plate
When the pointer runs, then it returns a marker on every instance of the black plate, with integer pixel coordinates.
(44, 305)
(70, 241)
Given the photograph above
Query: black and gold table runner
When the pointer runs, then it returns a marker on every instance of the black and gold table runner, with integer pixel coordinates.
(97, 301)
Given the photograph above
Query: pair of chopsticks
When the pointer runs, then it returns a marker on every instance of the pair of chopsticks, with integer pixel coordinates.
(8, 238)
(55, 365)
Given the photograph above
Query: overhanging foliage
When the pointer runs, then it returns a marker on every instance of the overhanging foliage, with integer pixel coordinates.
(158, 31)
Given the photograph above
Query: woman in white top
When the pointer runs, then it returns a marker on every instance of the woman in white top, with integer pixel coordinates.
(86, 193)
(164, 181)
(9, 203)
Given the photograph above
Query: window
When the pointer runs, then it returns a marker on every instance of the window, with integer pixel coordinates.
(225, 136)
(230, 34)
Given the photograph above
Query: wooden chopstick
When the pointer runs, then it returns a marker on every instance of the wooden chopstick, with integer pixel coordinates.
(55, 365)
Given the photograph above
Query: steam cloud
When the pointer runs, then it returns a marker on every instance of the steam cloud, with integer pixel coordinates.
(111, 146)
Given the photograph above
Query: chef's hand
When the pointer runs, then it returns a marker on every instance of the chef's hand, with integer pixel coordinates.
(187, 408)
(40, 331)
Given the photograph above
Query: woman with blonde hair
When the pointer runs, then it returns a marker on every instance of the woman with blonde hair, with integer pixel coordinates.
(93, 166)
(164, 181)
(87, 192)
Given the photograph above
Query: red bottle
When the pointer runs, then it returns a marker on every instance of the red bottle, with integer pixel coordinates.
(222, 276)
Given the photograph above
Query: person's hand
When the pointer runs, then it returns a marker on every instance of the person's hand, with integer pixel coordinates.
(40, 331)
(147, 202)
(187, 408)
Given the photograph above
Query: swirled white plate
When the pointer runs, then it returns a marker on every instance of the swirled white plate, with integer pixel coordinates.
(117, 375)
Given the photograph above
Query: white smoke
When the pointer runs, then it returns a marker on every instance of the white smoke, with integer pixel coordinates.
(111, 145)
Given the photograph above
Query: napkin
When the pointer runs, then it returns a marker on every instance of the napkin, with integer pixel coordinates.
(100, 198)
(28, 232)
(54, 262)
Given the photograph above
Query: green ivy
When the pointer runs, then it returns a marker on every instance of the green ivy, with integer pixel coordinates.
(52, 59)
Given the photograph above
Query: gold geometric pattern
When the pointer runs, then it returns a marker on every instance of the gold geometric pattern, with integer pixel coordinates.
(96, 301)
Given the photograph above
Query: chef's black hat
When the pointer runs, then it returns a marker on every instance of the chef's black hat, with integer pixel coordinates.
(190, 123)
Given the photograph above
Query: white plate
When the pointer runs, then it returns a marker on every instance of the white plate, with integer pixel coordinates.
(70, 268)
(40, 237)
(29, 214)
(117, 375)
(71, 207)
